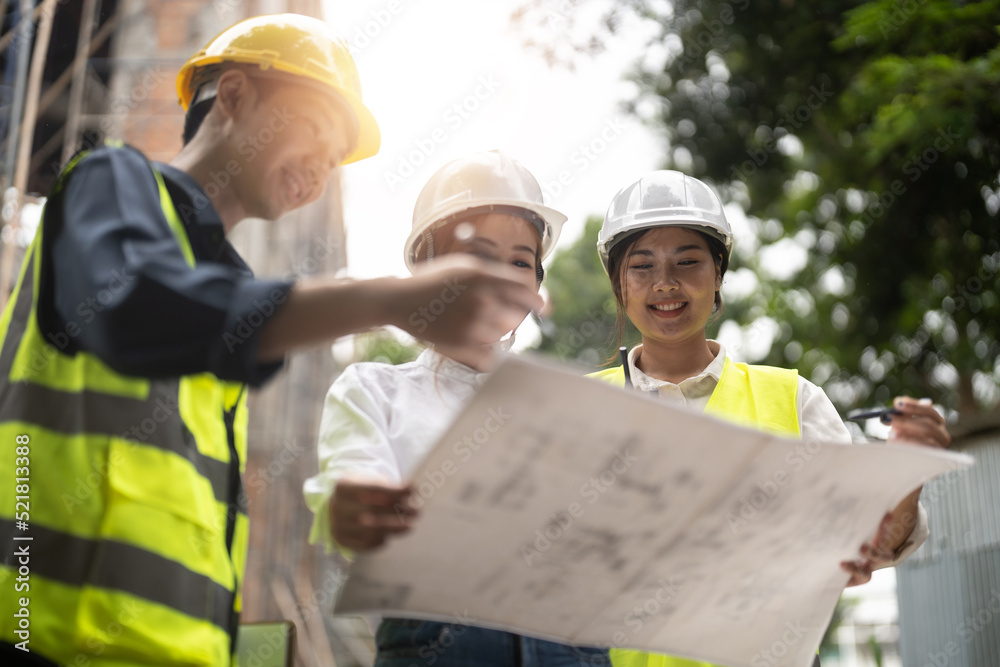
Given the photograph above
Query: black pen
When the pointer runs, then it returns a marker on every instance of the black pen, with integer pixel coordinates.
(884, 414)
(623, 351)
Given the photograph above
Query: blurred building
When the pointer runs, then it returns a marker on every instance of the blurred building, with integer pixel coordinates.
(94, 69)
(949, 590)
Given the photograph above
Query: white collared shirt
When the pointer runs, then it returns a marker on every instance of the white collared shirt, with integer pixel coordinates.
(379, 421)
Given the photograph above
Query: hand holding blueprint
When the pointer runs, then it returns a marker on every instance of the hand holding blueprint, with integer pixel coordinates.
(564, 508)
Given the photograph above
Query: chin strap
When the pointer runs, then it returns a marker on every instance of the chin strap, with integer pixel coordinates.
(623, 353)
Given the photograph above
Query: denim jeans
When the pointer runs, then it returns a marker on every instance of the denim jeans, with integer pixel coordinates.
(410, 643)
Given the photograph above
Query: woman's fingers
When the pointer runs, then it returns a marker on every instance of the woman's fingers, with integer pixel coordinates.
(860, 571)
(872, 554)
(876, 555)
(878, 550)
(364, 514)
(360, 527)
(919, 423)
(362, 538)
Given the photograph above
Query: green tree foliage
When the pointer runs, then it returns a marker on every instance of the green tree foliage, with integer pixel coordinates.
(868, 135)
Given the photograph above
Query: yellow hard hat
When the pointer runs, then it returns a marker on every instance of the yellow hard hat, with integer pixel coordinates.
(294, 44)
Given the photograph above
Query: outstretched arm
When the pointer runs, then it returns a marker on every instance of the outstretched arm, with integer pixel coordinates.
(461, 302)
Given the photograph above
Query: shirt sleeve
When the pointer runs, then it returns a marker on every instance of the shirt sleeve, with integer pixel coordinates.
(819, 420)
(353, 442)
(122, 289)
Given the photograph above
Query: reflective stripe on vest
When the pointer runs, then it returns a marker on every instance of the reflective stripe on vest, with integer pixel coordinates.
(761, 397)
(137, 517)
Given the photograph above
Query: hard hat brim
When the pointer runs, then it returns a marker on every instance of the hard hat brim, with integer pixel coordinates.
(369, 136)
(604, 248)
(553, 219)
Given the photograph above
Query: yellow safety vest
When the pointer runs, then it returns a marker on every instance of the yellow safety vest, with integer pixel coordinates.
(760, 397)
(138, 526)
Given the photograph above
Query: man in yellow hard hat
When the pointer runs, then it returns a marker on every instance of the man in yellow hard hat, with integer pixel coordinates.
(133, 331)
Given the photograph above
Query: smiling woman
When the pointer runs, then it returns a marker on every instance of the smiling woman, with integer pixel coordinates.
(666, 244)
(380, 420)
(669, 279)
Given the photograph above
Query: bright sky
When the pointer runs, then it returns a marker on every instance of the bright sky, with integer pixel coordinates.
(445, 78)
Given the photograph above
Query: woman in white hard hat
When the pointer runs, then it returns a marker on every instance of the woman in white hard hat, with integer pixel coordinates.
(666, 246)
(380, 420)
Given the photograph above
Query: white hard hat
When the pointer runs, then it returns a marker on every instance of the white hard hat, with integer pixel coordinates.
(664, 198)
(488, 182)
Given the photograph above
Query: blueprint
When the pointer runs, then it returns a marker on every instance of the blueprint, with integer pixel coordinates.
(561, 507)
